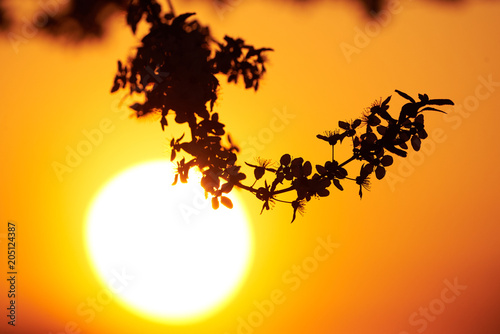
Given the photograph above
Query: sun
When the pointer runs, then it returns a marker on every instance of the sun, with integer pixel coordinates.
(183, 261)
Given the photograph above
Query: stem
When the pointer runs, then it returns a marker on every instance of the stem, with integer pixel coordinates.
(347, 161)
(242, 186)
(282, 201)
(281, 191)
(171, 7)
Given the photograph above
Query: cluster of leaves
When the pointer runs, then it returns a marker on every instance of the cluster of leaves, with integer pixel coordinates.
(174, 71)
(83, 18)
(87, 18)
(236, 59)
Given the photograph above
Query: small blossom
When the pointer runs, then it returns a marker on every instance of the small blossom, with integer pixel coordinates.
(363, 180)
(332, 137)
(298, 206)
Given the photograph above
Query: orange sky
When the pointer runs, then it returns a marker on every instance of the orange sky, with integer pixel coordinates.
(431, 224)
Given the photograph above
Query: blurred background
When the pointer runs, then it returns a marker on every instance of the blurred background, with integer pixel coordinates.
(419, 253)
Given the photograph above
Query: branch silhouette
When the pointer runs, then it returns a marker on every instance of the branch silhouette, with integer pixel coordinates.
(79, 20)
(174, 72)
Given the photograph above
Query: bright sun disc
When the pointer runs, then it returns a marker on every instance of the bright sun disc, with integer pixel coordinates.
(182, 260)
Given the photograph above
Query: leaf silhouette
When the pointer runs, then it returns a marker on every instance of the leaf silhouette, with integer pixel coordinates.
(415, 143)
(406, 96)
(433, 109)
(181, 19)
(441, 102)
(215, 203)
(226, 202)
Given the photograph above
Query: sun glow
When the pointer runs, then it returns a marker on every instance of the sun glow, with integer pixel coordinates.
(183, 260)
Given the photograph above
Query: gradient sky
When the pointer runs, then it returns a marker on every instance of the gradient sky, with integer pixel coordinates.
(433, 222)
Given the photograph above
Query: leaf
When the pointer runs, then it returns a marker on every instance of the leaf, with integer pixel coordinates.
(423, 97)
(406, 96)
(307, 168)
(172, 156)
(366, 170)
(115, 87)
(180, 138)
(433, 109)
(374, 120)
(441, 102)
(387, 160)
(226, 187)
(337, 184)
(259, 172)
(381, 129)
(294, 214)
(321, 169)
(232, 77)
(226, 202)
(134, 15)
(163, 123)
(296, 205)
(285, 159)
(215, 203)
(340, 173)
(176, 178)
(297, 162)
(415, 143)
(356, 142)
(322, 137)
(370, 138)
(265, 206)
(323, 192)
(422, 134)
(344, 125)
(380, 172)
(179, 20)
(420, 119)
(386, 101)
(356, 123)
(405, 136)
(136, 106)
